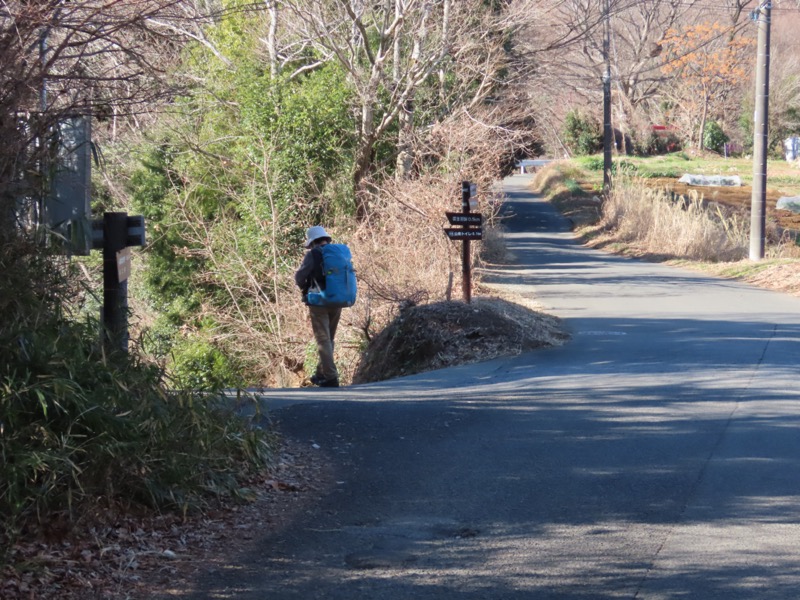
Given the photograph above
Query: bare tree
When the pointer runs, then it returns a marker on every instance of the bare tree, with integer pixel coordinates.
(785, 97)
(388, 48)
(105, 58)
(637, 31)
(391, 49)
(736, 10)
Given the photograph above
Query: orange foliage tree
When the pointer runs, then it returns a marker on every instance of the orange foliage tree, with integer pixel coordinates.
(708, 64)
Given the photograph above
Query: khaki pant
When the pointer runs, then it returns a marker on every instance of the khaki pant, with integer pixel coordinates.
(324, 321)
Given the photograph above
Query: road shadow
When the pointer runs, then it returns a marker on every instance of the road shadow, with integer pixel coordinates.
(441, 488)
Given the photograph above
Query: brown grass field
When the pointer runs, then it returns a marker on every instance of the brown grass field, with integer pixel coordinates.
(738, 199)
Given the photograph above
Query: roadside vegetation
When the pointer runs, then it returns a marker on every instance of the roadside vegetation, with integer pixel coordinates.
(649, 215)
(85, 429)
(86, 434)
(261, 146)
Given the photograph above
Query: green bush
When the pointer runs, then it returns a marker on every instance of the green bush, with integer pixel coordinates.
(714, 138)
(277, 156)
(655, 144)
(574, 187)
(199, 365)
(667, 173)
(77, 426)
(591, 163)
(582, 133)
(597, 163)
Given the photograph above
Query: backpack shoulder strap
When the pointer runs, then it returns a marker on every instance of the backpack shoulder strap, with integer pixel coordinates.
(317, 272)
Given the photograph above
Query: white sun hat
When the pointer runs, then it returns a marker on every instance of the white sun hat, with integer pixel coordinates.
(315, 233)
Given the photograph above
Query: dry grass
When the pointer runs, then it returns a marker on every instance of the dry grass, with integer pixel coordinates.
(403, 258)
(662, 224)
(641, 221)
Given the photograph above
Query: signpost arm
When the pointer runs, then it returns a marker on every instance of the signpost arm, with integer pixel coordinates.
(466, 270)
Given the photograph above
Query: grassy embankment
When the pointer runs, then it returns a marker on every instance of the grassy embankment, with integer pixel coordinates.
(650, 215)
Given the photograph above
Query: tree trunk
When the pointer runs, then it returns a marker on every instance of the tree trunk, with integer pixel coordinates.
(701, 133)
(405, 154)
(272, 44)
(445, 48)
(622, 120)
(363, 163)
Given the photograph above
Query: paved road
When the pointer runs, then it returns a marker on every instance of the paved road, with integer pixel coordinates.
(656, 455)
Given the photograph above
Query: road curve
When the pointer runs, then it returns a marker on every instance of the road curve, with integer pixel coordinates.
(654, 456)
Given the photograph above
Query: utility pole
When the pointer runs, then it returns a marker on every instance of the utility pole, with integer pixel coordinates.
(760, 133)
(607, 132)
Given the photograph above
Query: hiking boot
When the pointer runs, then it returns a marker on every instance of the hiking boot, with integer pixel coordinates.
(316, 379)
(329, 383)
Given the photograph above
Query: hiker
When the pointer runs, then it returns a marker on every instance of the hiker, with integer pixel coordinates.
(327, 280)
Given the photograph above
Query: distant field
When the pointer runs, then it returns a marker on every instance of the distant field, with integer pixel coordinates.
(782, 178)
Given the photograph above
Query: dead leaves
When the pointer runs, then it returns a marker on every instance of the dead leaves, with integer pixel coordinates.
(122, 556)
(282, 486)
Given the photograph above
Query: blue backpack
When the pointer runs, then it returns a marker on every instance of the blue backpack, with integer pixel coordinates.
(340, 278)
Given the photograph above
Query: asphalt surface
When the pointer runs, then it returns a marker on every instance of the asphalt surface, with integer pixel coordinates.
(656, 455)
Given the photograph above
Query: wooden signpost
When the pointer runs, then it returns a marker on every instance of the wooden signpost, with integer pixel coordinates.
(471, 228)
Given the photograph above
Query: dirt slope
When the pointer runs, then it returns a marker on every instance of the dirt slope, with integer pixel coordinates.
(445, 334)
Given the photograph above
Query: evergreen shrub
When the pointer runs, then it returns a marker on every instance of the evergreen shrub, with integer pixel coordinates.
(582, 133)
(714, 138)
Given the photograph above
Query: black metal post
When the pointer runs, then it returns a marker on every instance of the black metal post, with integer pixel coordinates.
(115, 292)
